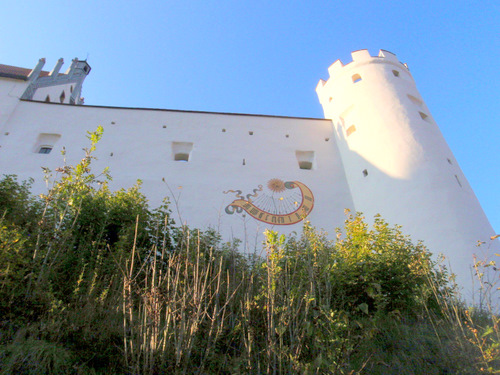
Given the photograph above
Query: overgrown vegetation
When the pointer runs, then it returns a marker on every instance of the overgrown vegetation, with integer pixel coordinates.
(94, 281)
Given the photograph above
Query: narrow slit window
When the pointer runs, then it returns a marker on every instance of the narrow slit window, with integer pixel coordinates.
(62, 97)
(47, 98)
(182, 151)
(458, 181)
(306, 159)
(415, 100)
(365, 172)
(424, 116)
(356, 78)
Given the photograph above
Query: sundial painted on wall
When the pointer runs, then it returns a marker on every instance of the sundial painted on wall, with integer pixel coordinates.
(281, 203)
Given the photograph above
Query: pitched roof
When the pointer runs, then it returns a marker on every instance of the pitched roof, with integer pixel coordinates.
(16, 72)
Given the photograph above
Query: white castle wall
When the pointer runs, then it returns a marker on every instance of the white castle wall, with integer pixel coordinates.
(381, 153)
(228, 152)
(396, 160)
(10, 92)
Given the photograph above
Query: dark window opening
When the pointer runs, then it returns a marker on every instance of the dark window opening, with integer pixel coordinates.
(45, 150)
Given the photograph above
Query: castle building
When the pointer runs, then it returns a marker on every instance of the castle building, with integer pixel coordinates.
(378, 151)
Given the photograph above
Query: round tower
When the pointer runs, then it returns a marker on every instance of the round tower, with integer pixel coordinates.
(397, 162)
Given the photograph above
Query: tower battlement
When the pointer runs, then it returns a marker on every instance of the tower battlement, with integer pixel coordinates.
(361, 56)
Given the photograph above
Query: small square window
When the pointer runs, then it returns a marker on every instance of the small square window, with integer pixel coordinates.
(45, 150)
(305, 159)
(45, 143)
(182, 151)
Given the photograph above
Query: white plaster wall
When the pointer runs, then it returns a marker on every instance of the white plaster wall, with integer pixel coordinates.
(410, 180)
(10, 92)
(137, 145)
(54, 92)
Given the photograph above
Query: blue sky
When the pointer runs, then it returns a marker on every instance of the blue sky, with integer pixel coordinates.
(266, 57)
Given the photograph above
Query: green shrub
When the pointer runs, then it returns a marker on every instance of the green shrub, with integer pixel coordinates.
(94, 281)
(33, 356)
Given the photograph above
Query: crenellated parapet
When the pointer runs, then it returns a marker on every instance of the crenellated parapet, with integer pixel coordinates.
(360, 57)
(72, 78)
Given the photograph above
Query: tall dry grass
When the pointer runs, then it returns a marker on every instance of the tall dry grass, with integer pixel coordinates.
(93, 281)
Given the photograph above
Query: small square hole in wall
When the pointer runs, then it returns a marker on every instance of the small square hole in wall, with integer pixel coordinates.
(306, 159)
(356, 78)
(327, 139)
(182, 151)
(223, 130)
(180, 156)
(250, 132)
(287, 136)
(396, 73)
(351, 129)
(164, 126)
(424, 116)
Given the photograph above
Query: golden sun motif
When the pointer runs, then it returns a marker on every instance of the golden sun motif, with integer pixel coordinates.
(276, 185)
(288, 204)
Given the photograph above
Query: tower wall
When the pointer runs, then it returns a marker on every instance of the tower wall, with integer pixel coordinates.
(397, 162)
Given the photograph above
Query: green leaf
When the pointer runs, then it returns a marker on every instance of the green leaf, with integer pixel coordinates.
(364, 308)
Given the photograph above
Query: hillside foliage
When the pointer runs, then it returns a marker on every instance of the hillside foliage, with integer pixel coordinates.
(96, 282)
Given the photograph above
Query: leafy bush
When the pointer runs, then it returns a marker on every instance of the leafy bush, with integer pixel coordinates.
(94, 281)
